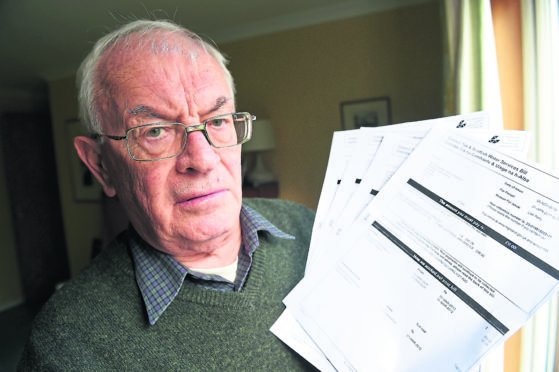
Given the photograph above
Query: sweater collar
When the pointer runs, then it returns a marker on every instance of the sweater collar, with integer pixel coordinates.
(160, 276)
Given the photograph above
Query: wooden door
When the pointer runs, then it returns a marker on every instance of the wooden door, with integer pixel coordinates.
(32, 185)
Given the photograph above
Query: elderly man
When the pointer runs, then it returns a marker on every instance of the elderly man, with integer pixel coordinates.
(197, 280)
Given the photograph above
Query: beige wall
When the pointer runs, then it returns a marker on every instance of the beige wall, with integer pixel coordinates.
(297, 79)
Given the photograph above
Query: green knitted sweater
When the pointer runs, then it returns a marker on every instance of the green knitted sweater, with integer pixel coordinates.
(98, 321)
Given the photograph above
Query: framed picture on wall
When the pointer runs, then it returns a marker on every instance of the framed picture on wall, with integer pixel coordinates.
(85, 185)
(370, 112)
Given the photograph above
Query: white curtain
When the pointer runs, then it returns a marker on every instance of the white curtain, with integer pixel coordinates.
(540, 44)
(540, 48)
(471, 77)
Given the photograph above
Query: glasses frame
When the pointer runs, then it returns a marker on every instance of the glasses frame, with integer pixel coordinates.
(249, 118)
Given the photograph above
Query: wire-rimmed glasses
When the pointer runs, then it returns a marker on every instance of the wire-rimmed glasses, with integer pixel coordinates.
(158, 141)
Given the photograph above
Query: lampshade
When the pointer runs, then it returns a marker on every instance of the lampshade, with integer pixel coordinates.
(262, 140)
(262, 137)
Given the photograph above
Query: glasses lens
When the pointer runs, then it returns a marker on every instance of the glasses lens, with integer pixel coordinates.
(156, 141)
(229, 129)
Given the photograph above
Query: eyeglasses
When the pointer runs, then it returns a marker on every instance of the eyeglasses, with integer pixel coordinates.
(158, 141)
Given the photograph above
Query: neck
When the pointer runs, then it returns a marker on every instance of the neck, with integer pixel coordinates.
(217, 252)
(205, 260)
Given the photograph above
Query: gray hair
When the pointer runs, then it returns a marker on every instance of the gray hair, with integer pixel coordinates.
(88, 79)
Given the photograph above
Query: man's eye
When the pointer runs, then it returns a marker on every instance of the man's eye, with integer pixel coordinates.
(154, 132)
(217, 122)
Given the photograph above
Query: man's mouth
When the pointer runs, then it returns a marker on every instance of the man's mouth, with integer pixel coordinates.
(201, 197)
(198, 197)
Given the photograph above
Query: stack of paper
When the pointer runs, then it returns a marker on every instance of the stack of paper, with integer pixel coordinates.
(433, 243)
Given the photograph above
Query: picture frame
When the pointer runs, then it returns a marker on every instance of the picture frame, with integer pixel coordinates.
(85, 186)
(369, 112)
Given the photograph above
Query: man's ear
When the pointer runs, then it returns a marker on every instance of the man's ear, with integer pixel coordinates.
(90, 152)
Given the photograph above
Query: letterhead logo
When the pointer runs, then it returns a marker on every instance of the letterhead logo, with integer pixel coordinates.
(494, 139)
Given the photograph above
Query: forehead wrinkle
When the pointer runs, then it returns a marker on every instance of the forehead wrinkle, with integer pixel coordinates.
(154, 42)
(117, 63)
(130, 48)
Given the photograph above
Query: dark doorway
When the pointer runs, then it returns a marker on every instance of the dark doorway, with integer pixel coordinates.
(32, 185)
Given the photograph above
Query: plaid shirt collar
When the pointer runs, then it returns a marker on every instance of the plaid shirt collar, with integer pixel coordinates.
(160, 276)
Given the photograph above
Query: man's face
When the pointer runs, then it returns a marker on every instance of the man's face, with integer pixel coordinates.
(184, 205)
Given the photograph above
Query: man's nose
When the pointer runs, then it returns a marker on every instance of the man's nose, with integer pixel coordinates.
(198, 154)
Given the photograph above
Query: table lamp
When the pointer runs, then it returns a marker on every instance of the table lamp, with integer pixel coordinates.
(262, 140)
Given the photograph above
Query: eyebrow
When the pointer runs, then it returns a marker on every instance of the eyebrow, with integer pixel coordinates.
(219, 103)
(144, 110)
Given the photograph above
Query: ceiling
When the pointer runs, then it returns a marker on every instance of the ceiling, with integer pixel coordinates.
(43, 40)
